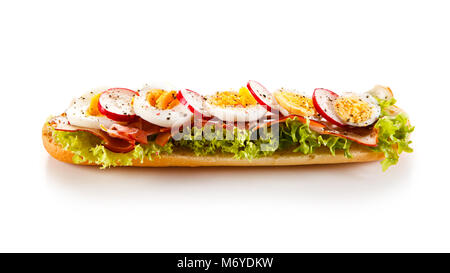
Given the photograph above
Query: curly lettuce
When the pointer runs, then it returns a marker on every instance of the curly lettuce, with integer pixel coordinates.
(393, 133)
(88, 148)
(299, 136)
(393, 138)
(293, 135)
(241, 144)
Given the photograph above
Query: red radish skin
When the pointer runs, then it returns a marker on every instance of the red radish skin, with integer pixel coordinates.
(198, 110)
(320, 105)
(124, 89)
(115, 116)
(271, 105)
(251, 86)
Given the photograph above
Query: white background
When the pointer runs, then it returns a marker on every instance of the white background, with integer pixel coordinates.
(52, 51)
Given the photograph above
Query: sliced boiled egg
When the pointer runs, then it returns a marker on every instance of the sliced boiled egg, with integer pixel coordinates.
(83, 111)
(356, 110)
(349, 109)
(295, 102)
(158, 104)
(234, 106)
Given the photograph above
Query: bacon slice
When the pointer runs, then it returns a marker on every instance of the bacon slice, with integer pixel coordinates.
(367, 136)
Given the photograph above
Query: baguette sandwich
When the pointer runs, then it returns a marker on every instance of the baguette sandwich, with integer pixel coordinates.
(160, 126)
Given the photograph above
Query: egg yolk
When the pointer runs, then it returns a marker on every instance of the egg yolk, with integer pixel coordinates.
(295, 103)
(162, 99)
(243, 98)
(352, 109)
(93, 106)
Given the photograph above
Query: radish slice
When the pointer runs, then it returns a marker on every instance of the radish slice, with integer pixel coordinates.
(193, 101)
(116, 104)
(323, 101)
(265, 98)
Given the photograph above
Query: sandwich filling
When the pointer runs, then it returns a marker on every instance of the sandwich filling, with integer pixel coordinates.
(239, 132)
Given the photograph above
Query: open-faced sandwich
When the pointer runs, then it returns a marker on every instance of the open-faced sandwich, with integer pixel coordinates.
(160, 125)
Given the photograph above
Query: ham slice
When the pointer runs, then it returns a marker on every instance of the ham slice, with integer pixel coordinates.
(116, 145)
(367, 136)
(118, 138)
(138, 131)
(149, 128)
(231, 125)
(163, 138)
(127, 133)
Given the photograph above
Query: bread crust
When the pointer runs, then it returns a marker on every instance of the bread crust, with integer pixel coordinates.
(188, 159)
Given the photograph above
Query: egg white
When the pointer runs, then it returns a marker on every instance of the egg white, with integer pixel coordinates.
(77, 112)
(164, 118)
(239, 114)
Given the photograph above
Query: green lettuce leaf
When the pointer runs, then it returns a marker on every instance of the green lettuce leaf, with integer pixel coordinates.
(294, 135)
(299, 135)
(385, 104)
(240, 143)
(393, 138)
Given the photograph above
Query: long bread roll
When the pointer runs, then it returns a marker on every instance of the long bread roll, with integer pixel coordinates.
(182, 158)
